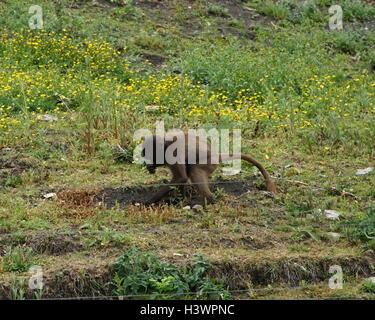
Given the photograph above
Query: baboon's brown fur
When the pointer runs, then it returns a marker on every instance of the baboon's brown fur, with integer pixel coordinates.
(196, 172)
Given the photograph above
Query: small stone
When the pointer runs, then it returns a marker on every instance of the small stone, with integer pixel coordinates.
(333, 236)
(137, 204)
(372, 279)
(47, 118)
(300, 266)
(332, 214)
(186, 208)
(361, 172)
(6, 149)
(230, 171)
(178, 254)
(49, 195)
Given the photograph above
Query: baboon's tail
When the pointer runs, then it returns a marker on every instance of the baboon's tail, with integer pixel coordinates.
(269, 183)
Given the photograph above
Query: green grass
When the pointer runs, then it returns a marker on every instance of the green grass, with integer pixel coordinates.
(217, 10)
(302, 94)
(313, 11)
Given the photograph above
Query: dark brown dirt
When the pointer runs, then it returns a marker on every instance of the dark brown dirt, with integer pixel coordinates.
(81, 280)
(239, 12)
(153, 58)
(69, 283)
(13, 163)
(288, 271)
(151, 4)
(223, 28)
(123, 197)
(54, 245)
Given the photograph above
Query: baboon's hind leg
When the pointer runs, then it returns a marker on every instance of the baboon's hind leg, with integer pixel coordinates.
(179, 177)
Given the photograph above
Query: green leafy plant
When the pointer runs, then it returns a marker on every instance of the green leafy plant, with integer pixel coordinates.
(17, 288)
(363, 230)
(140, 273)
(109, 239)
(18, 259)
(368, 286)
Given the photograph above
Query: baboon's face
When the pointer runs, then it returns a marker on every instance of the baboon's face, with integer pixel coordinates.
(151, 168)
(150, 142)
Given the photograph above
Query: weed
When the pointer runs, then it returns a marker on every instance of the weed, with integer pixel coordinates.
(235, 23)
(142, 273)
(110, 239)
(13, 181)
(219, 193)
(38, 293)
(17, 259)
(217, 11)
(299, 248)
(271, 9)
(363, 229)
(368, 286)
(17, 288)
(305, 233)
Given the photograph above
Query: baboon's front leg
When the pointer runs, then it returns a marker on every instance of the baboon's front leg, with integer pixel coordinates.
(200, 179)
(179, 176)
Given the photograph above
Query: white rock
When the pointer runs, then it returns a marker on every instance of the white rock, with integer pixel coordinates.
(178, 254)
(197, 207)
(230, 171)
(47, 118)
(302, 267)
(361, 172)
(332, 214)
(153, 108)
(186, 208)
(333, 236)
(137, 204)
(372, 279)
(49, 195)
(6, 149)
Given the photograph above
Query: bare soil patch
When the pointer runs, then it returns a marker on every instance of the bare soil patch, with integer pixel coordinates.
(123, 197)
(153, 58)
(54, 244)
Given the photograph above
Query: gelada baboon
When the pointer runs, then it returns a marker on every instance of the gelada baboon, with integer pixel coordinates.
(189, 157)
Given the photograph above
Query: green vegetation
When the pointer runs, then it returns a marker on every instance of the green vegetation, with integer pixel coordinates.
(364, 229)
(73, 94)
(140, 273)
(368, 286)
(18, 259)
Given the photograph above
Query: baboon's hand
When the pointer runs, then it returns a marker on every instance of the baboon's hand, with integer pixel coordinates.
(148, 203)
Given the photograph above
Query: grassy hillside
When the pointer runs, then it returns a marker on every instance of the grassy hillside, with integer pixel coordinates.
(73, 93)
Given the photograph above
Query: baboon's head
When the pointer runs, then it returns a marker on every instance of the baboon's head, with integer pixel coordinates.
(153, 145)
